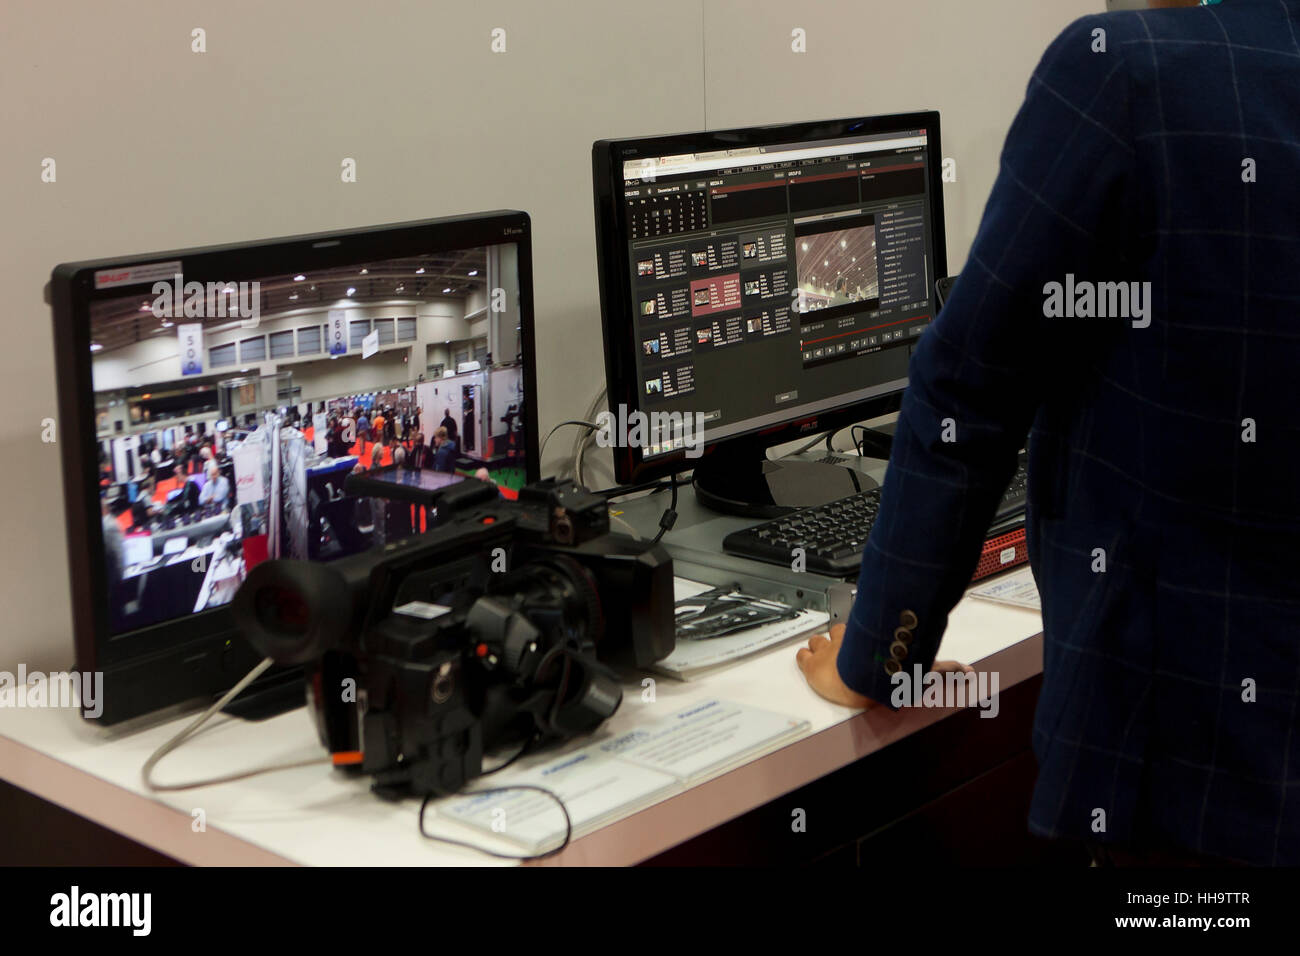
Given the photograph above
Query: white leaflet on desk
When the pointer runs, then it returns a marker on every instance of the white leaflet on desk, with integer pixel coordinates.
(596, 788)
(1017, 589)
(703, 738)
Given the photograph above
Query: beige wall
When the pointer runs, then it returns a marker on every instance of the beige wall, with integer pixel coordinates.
(351, 375)
(155, 359)
(157, 147)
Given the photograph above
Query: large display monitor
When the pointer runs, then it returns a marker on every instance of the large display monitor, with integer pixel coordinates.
(759, 285)
(213, 401)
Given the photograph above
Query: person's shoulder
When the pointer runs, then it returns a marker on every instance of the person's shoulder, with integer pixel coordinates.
(1091, 41)
(1162, 30)
(1088, 66)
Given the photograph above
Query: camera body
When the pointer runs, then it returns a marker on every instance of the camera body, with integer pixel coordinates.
(498, 626)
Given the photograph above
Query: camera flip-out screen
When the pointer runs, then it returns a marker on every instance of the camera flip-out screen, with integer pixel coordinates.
(421, 487)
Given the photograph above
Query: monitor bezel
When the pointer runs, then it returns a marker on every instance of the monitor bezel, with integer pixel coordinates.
(614, 273)
(207, 635)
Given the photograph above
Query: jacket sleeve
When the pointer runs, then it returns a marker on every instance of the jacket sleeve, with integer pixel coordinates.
(977, 377)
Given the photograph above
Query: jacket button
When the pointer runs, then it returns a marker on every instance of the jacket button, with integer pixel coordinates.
(892, 666)
(902, 635)
(907, 619)
(898, 650)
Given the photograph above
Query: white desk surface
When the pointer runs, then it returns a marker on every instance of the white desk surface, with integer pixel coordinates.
(316, 816)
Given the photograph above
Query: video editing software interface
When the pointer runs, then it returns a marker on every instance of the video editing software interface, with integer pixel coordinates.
(229, 415)
(777, 281)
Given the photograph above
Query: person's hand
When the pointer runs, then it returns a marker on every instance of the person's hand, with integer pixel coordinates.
(817, 661)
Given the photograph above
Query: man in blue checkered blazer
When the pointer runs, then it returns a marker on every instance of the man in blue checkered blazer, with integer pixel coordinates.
(1153, 172)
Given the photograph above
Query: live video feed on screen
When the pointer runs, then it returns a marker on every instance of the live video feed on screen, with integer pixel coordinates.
(777, 281)
(229, 415)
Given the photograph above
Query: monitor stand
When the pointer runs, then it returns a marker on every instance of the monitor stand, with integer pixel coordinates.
(740, 480)
(270, 695)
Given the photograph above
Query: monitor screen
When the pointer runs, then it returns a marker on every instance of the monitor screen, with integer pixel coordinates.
(137, 549)
(754, 278)
(231, 412)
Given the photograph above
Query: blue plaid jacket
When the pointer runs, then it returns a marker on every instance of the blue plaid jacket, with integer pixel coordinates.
(1164, 471)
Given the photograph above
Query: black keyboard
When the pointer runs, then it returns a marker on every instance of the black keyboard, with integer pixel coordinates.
(833, 535)
(1011, 509)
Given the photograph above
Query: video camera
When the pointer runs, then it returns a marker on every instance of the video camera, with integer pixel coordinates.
(497, 626)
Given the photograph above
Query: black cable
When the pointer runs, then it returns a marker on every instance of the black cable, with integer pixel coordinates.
(806, 445)
(528, 744)
(591, 426)
(568, 823)
(559, 649)
(858, 442)
(872, 444)
(545, 662)
(658, 484)
(668, 519)
(559, 694)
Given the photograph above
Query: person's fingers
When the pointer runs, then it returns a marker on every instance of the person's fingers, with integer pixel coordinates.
(944, 667)
(803, 658)
(818, 641)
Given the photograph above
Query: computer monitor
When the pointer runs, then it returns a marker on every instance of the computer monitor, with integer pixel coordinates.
(759, 285)
(268, 337)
